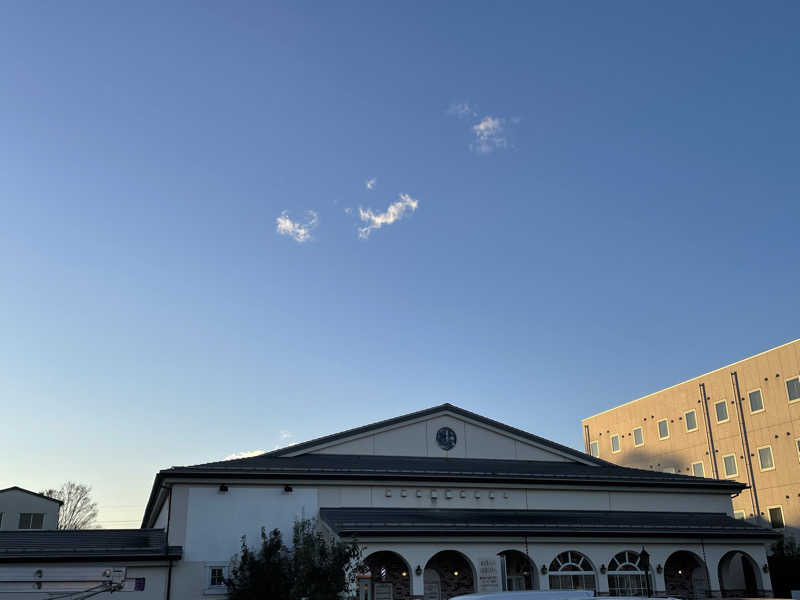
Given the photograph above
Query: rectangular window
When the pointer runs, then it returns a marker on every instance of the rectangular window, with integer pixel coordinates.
(765, 458)
(31, 520)
(638, 437)
(729, 461)
(668, 469)
(698, 470)
(775, 517)
(663, 429)
(797, 445)
(691, 420)
(756, 401)
(594, 449)
(615, 447)
(721, 409)
(793, 388)
(739, 514)
(216, 577)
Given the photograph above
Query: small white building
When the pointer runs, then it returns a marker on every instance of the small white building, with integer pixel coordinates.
(23, 509)
(446, 502)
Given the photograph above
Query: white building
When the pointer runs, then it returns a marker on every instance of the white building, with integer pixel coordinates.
(446, 501)
(23, 509)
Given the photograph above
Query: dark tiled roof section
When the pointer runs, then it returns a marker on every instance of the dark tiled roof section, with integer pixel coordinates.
(87, 544)
(366, 522)
(19, 489)
(338, 466)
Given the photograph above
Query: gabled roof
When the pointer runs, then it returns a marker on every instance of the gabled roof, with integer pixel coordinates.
(19, 489)
(86, 545)
(442, 408)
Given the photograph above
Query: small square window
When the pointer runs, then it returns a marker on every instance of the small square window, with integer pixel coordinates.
(216, 577)
(797, 445)
(691, 420)
(765, 458)
(756, 401)
(668, 470)
(729, 461)
(698, 470)
(739, 514)
(594, 449)
(776, 517)
(31, 520)
(793, 388)
(615, 447)
(721, 409)
(663, 429)
(638, 437)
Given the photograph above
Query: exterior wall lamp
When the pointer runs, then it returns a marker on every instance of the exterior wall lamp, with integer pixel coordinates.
(659, 570)
(766, 568)
(418, 570)
(544, 570)
(602, 569)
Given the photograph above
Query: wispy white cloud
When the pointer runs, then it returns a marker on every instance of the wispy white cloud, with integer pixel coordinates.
(299, 232)
(397, 210)
(489, 134)
(245, 454)
(371, 183)
(461, 110)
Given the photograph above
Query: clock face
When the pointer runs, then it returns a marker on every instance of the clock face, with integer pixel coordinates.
(446, 438)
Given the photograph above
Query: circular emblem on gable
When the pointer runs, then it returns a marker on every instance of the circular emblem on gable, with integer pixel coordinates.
(446, 438)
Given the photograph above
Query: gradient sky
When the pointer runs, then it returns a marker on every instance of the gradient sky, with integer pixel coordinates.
(590, 201)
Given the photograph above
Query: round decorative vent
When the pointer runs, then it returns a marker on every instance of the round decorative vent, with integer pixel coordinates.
(446, 438)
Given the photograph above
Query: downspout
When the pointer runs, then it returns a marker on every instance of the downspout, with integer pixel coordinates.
(169, 519)
(709, 435)
(745, 445)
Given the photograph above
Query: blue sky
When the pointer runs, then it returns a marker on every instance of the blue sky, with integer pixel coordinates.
(579, 203)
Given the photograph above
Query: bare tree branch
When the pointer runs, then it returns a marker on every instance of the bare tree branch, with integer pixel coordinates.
(79, 511)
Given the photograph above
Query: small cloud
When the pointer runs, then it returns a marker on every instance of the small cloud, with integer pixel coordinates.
(245, 454)
(285, 435)
(489, 134)
(348, 210)
(299, 232)
(370, 183)
(461, 110)
(396, 211)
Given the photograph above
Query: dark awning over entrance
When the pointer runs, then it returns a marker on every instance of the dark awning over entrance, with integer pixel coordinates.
(365, 522)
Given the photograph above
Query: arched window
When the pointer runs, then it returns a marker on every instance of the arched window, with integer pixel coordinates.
(571, 571)
(626, 577)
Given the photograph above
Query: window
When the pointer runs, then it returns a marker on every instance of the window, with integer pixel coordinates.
(691, 420)
(797, 445)
(793, 388)
(739, 514)
(615, 447)
(756, 401)
(721, 409)
(216, 579)
(765, 461)
(571, 571)
(663, 429)
(594, 449)
(638, 437)
(626, 577)
(775, 517)
(668, 470)
(698, 469)
(729, 461)
(31, 520)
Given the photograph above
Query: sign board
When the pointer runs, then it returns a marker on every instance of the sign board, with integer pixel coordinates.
(488, 575)
(383, 591)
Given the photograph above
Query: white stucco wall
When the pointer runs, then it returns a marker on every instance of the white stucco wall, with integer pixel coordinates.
(13, 502)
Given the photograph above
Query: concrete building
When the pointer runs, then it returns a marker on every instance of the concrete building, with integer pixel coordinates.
(738, 423)
(23, 509)
(445, 502)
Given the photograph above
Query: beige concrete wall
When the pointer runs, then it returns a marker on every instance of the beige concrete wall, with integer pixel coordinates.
(778, 426)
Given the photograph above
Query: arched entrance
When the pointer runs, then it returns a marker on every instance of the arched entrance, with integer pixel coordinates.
(739, 575)
(572, 571)
(448, 573)
(520, 571)
(388, 576)
(627, 576)
(685, 576)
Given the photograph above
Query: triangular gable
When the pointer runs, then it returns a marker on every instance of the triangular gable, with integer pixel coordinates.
(444, 430)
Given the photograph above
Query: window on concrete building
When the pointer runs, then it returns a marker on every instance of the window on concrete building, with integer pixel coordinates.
(594, 449)
(626, 577)
(775, 517)
(739, 514)
(756, 401)
(729, 462)
(698, 469)
(793, 388)
(721, 408)
(765, 461)
(615, 447)
(31, 520)
(215, 579)
(691, 420)
(638, 437)
(668, 470)
(663, 429)
(571, 571)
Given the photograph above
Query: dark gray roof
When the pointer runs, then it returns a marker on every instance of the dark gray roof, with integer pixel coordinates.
(87, 544)
(19, 489)
(365, 522)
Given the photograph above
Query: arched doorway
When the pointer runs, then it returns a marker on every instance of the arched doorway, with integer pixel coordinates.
(627, 577)
(388, 576)
(448, 573)
(519, 570)
(685, 575)
(739, 575)
(572, 571)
